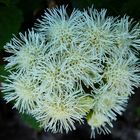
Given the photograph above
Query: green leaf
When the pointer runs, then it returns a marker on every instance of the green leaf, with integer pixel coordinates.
(31, 121)
(10, 23)
(89, 115)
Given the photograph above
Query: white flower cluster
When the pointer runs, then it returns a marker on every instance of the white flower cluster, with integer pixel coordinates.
(74, 68)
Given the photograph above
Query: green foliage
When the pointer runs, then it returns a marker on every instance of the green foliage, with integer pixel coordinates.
(10, 23)
(31, 121)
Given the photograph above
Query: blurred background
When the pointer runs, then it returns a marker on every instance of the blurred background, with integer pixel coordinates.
(19, 16)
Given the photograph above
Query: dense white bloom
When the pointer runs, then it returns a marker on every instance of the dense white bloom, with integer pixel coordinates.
(26, 51)
(99, 123)
(59, 111)
(127, 34)
(58, 27)
(62, 71)
(55, 75)
(84, 64)
(97, 30)
(109, 103)
(23, 90)
(74, 67)
(122, 74)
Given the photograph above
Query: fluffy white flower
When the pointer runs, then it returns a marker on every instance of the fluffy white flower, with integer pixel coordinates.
(59, 111)
(26, 51)
(23, 90)
(58, 27)
(122, 74)
(54, 75)
(109, 103)
(99, 123)
(75, 67)
(97, 30)
(127, 34)
(84, 64)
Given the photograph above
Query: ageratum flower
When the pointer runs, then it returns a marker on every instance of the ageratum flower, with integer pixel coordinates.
(84, 64)
(109, 103)
(99, 123)
(59, 28)
(97, 31)
(54, 75)
(126, 34)
(73, 68)
(23, 90)
(59, 111)
(121, 73)
(26, 51)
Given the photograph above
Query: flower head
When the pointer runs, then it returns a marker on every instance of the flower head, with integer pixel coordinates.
(23, 90)
(54, 75)
(59, 111)
(74, 67)
(109, 103)
(58, 27)
(84, 64)
(99, 123)
(121, 73)
(26, 51)
(97, 31)
(127, 34)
